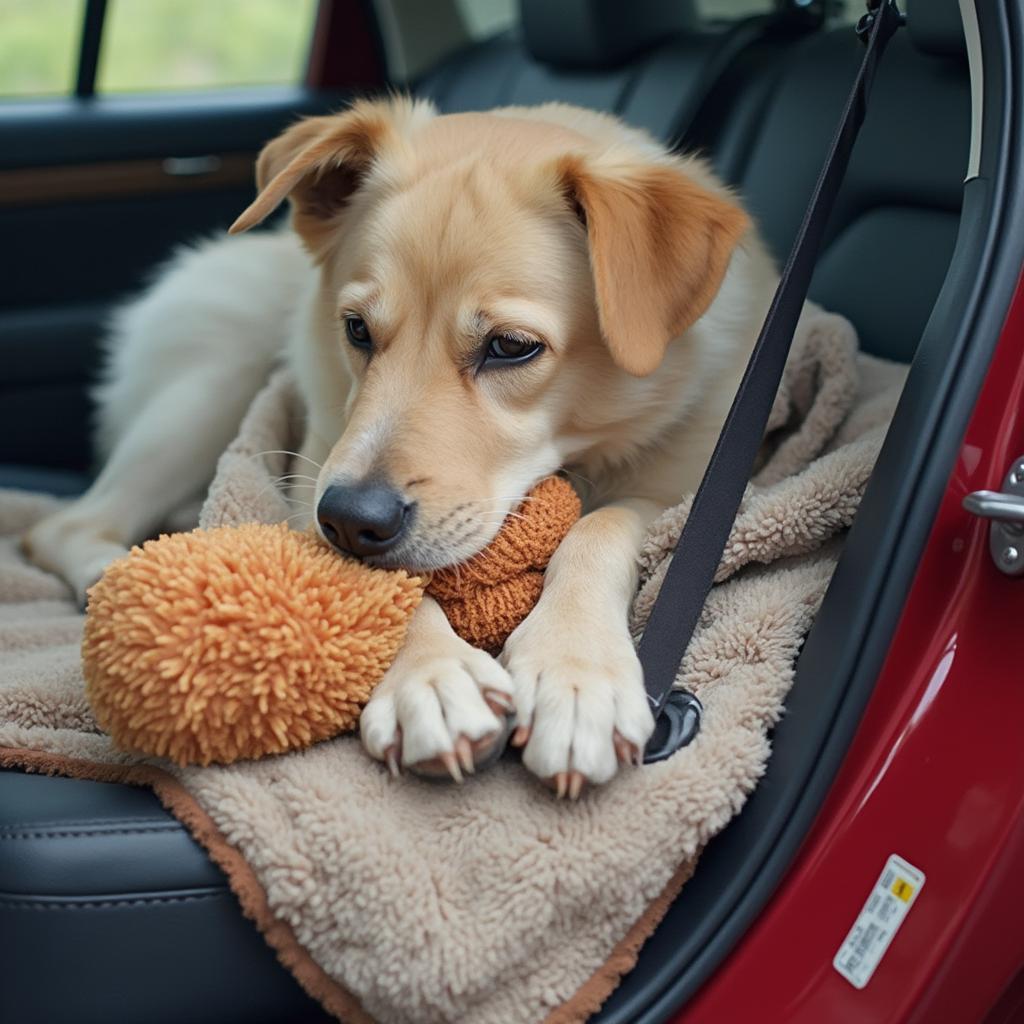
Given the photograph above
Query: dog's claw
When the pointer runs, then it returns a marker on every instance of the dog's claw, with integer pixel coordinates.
(561, 784)
(627, 752)
(464, 751)
(500, 703)
(521, 736)
(391, 760)
(451, 764)
(575, 785)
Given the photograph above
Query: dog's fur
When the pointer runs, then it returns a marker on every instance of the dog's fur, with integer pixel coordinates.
(637, 271)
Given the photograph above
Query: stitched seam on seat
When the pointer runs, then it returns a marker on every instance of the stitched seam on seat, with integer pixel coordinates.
(107, 904)
(25, 826)
(93, 834)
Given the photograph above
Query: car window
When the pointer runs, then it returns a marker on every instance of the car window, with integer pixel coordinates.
(484, 18)
(195, 44)
(714, 9)
(419, 34)
(39, 46)
(154, 45)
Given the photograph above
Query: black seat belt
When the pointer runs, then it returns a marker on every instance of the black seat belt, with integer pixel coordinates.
(698, 552)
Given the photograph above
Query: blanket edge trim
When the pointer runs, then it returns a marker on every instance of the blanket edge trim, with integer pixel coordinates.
(591, 995)
(278, 934)
(241, 878)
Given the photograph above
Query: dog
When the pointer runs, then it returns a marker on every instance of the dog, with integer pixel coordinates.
(469, 303)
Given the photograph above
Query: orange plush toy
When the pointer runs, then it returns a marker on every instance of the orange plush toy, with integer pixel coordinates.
(238, 642)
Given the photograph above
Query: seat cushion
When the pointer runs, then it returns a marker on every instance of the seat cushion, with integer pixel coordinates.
(99, 879)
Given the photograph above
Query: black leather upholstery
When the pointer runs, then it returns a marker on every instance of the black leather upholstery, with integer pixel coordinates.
(108, 911)
(891, 235)
(111, 914)
(660, 90)
(599, 34)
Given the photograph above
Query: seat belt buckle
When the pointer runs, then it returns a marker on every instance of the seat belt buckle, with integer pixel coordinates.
(867, 21)
(676, 726)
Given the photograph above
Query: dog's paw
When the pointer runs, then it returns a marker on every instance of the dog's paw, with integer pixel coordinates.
(580, 700)
(443, 708)
(76, 552)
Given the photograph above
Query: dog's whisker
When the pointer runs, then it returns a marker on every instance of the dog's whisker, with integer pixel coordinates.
(579, 476)
(281, 493)
(501, 516)
(295, 476)
(475, 524)
(517, 498)
(284, 451)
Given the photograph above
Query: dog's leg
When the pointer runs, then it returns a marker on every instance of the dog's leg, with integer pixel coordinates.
(184, 362)
(440, 704)
(166, 458)
(580, 700)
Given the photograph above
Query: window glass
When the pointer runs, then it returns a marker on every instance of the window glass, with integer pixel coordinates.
(419, 34)
(39, 42)
(194, 44)
(714, 9)
(484, 18)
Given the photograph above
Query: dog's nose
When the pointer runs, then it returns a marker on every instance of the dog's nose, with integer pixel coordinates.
(363, 518)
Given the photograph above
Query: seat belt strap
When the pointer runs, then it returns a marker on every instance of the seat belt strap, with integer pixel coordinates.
(691, 572)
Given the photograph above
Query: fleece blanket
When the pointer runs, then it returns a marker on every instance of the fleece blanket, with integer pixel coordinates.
(402, 902)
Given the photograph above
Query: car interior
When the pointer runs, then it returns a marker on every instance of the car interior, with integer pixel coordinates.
(101, 889)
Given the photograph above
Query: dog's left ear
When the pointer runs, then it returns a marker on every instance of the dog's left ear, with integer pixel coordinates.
(660, 244)
(320, 161)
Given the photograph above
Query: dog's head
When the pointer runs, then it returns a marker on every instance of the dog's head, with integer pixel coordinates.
(504, 287)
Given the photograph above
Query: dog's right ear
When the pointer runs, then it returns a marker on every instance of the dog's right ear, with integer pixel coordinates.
(660, 242)
(319, 162)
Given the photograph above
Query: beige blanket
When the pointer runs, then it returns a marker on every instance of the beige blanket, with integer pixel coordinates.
(490, 903)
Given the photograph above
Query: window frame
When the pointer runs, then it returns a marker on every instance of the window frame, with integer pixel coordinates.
(344, 51)
(93, 17)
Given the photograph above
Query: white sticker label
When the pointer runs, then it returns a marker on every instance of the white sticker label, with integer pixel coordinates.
(879, 920)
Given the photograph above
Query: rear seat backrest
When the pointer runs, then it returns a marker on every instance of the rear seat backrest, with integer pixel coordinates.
(648, 61)
(892, 233)
(763, 104)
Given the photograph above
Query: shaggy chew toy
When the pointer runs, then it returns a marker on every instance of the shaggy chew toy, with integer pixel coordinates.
(237, 642)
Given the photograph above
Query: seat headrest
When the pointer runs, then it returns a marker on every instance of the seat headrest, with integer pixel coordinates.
(935, 27)
(596, 34)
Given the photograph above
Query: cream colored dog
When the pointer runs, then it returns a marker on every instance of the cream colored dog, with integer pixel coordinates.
(478, 300)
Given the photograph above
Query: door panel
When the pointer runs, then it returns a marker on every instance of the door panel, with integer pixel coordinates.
(94, 195)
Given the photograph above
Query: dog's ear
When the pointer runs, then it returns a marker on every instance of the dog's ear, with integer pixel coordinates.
(320, 161)
(659, 242)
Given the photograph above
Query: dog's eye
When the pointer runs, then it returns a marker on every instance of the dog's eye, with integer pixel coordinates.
(358, 333)
(507, 348)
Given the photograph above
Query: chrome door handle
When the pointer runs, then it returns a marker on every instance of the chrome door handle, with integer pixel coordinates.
(191, 166)
(1005, 510)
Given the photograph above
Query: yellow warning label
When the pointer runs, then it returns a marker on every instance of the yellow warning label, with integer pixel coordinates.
(903, 889)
